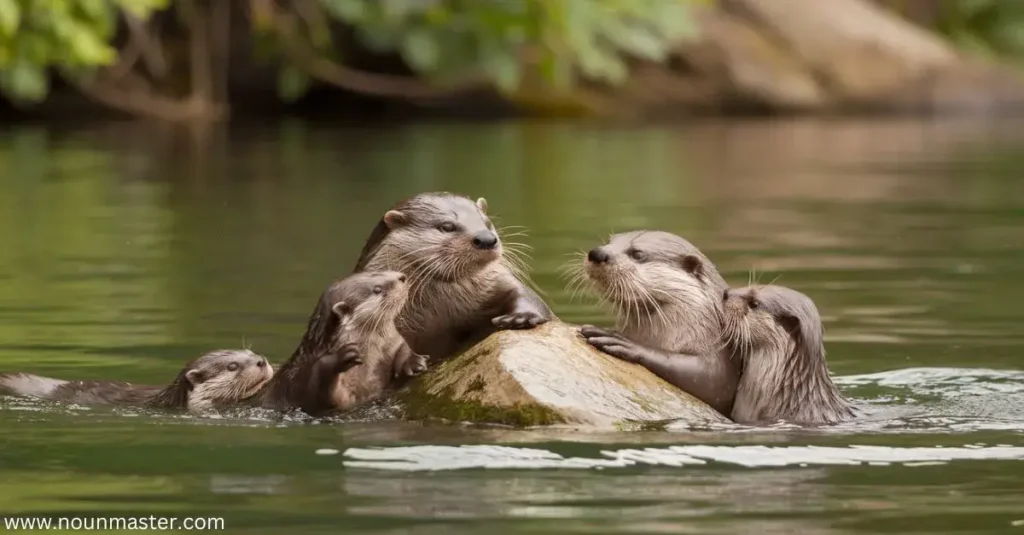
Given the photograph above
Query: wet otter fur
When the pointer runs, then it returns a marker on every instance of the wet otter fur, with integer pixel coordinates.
(777, 335)
(668, 300)
(215, 379)
(463, 281)
(351, 351)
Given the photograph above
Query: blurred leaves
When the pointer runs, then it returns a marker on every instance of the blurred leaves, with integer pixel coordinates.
(70, 35)
(446, 40)
(987, 27)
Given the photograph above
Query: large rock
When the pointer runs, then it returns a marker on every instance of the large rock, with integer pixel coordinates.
(548, 376)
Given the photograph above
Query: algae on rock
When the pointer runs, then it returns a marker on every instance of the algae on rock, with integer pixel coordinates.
(547, 376)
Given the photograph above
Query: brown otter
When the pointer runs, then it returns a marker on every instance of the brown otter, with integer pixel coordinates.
(668, 299)
(777, 335)
(463, 283)
(215, 379)
(351, 352)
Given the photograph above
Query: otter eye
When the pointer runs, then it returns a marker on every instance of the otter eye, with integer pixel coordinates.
(233, 366)
(753, 303)
(637, 254)
(446, 227)
(377, 289)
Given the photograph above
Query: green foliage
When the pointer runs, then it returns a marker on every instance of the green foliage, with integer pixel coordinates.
(450, 39)
(988, 27)
(70, 35)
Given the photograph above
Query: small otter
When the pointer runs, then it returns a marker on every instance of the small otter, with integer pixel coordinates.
(215, 379)
(462, 282)
(668, 299)
(351, 352)
(777, 335)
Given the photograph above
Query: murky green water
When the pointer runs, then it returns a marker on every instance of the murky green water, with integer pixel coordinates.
(126, 251)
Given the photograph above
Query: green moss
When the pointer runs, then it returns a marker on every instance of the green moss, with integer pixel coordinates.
(420, 405)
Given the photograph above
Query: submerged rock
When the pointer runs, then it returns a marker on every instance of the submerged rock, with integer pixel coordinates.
(548, 376)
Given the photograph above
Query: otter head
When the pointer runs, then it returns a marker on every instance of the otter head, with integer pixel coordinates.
(365, 301)
(769, 318)
(434, 236)
(655, 275)
(224, 376)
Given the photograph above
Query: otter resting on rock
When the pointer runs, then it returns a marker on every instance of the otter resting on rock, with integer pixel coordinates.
(351, 351)
(463, 286)
(216, 379)
(668, 300)
(777, 335)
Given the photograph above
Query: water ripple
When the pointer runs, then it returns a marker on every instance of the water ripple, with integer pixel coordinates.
(435, 458)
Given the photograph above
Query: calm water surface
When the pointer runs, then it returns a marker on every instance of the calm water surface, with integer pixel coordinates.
(128, 250)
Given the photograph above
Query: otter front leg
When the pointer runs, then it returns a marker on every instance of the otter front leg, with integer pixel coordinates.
(710, 378)
(324, 377)
(408, 363)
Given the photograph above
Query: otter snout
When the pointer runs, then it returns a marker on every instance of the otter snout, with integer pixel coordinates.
(485, 239)
(598, 255)
(734, 302)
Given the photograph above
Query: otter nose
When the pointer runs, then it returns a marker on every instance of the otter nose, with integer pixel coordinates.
(597, 255)
(485, 239)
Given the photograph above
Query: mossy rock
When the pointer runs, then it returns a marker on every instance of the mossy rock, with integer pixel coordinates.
(548, 376)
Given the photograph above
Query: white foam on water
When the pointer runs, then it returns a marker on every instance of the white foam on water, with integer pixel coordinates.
(433, 458)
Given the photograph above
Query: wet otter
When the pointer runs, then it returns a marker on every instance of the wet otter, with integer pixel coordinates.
(462, 282)
(215, 379)
(777, 335)
(668, 299)
(351, 352)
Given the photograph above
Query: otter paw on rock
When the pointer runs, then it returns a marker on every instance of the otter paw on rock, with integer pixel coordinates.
(612, 343)
(412, 364)
(519, 320)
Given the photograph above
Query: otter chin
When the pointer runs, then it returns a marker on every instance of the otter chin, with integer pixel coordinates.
(463, 281)
(667, 299)
(215, 379)
(777, 336)
(351, 351)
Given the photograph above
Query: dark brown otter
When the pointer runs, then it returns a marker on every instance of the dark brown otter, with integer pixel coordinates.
(351, 352)
(668, 299)
(777, 335)
(215, 379)
(463, 283)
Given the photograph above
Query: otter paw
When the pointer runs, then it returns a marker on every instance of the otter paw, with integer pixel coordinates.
(612, 344)
(519, 320)
(347, 358)
(415, 365)
(590, 331)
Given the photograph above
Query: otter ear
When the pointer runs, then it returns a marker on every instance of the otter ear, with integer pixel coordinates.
(343, 311)
(691, 264)
(394, 218)
(790, 324)
(195, 377)
(481, 203)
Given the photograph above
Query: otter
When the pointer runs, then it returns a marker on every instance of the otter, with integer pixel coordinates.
(215, 379)
(668, 299)
(463, 283)
(777, 335)
(351, 351)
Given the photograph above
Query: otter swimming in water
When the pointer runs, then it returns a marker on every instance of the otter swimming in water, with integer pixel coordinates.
(462, 285)
(668, 300)
(777, 335)
(351, 351)
(215, 379)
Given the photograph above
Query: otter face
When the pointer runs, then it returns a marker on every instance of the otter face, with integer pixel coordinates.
(226, 376)
(647, 270)
(441, 236)
(765, 317)
(365, 300)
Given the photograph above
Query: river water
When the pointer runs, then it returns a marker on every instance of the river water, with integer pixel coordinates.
(128, 250)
